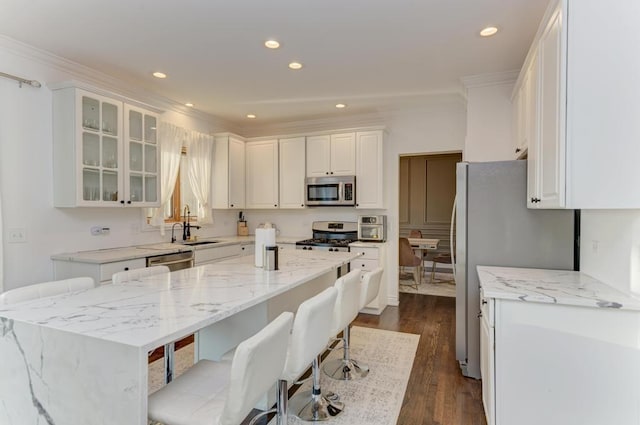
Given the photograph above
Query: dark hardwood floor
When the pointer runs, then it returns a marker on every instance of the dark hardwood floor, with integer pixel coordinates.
(437, 393)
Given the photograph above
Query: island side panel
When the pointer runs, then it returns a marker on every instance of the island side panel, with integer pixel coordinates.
(48, 376)
(291, 300)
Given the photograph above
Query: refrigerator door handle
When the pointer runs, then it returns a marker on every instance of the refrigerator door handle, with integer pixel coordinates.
(451, 245)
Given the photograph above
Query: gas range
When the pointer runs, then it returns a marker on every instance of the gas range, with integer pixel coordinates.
(330, 236)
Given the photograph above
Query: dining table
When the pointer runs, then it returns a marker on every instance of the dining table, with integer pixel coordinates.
(423, 246)
(80, 358)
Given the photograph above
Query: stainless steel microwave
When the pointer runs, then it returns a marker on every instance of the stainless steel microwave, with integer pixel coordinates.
(330, 191)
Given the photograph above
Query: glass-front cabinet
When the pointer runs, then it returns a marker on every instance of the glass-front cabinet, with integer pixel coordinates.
(105, 151)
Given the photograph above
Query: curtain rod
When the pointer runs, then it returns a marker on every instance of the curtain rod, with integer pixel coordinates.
(32, 83)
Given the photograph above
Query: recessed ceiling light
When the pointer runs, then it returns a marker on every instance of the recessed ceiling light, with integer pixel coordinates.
(488, 31)
(271, 44)
(189, 104)
(159, 74)
(340, 105)
(295, 65)
(251, 116)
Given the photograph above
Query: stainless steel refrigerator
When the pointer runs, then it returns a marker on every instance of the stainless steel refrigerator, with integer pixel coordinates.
(494, 227)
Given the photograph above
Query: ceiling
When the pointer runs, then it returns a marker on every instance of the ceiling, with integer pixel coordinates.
(369, 54)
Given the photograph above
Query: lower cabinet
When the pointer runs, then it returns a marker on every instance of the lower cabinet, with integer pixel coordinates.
(101, 273)
(372, 257)
(247, 249)
(559, 364)
(218, 253)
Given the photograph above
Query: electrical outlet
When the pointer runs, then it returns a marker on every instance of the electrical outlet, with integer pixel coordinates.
(17, 235)
(99, 230)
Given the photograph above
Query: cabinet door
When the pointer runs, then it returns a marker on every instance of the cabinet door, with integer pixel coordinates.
(552, 117)
(515, 121)
(343, 154)
(100, 150)
(292, 172)
(318, 156)
(487, 369)
(369, 170)
(236, 173)
(532, 135)
(141, 158)
(262, 174)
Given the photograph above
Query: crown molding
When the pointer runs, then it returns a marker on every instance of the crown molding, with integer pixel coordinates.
(86, 76)
(492, 79)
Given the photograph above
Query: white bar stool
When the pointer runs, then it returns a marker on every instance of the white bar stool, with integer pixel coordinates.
(347, 308)
(309, 338)
(224, 393)
(46, 289)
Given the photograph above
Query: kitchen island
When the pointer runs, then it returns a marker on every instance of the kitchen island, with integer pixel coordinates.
(81, 358)
(557, 347)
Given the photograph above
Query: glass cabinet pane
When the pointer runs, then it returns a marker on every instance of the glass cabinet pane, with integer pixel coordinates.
(90, 149)
(109, 186)
(150, 129)
(109, 119)
(151, 188)
(150, 159)
(135, 125)
(90, 113)
(109, 152)
(135, 156)
(90, 184)
(135, 188)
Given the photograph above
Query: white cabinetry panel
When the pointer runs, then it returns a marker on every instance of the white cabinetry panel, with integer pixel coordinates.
(292, 172)
(369, 170)
(262, 174)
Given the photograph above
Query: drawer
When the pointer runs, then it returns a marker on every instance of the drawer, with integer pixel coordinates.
(218, 253)
(367, 253)
(247, 249)
(366, 265)
(108, 269)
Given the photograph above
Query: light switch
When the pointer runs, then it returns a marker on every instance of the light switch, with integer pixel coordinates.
(17, 235)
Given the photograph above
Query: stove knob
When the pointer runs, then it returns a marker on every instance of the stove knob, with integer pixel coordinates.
(305, 248)
(330, 249)
(310, 248)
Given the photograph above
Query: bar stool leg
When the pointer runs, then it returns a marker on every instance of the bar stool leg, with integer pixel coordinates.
(168, 362)
(282, 397)
(312, 405)
(345, 369)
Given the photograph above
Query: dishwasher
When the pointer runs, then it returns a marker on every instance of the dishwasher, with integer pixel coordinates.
(178, 261)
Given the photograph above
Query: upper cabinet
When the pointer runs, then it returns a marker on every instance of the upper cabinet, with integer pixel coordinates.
(292, 172)
(369, 166)
(262, 174)
(331, 155)
(100, 156)
(584, 109)
(228, 172)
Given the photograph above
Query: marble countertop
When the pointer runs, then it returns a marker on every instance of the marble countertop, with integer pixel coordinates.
(155, 310)
(552, 286)
(110, 255)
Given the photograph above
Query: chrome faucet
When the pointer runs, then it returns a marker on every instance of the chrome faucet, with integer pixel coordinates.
(173, 238)
(186, 233)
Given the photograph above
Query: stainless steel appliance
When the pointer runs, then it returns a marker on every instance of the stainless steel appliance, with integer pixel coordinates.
(372, 228)
(177, 261)
(330, 191)
(494, 227)
(331, 236)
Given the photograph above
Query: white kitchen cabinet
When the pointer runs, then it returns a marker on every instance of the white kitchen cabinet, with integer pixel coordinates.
(101, 273)
(228, 172)
(369, 170)
(559, 364)
(372, 256)
(262, 174)
(586, 147)
(100, 157)
(292, 172)
(333, 154)
(524, 110)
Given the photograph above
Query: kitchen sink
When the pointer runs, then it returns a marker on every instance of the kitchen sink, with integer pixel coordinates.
(195, 243)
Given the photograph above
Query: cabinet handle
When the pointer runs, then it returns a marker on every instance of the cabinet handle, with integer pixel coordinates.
(357, 205)
(231, 205)
(479, 314)
(126, 269)
(332, 172)
(535, 200)
(275, 205)
(302, 205)
(484, 302)
(122, 202)
(128, 202)
(327, 173)
(517, 150)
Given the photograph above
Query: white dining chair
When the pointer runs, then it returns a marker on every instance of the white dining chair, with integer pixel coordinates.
(137, 274)
(225, 392)
(46, 289)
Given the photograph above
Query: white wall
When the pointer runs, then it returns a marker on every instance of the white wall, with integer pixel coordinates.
(489, 136)
(610, 247)
(26, 183)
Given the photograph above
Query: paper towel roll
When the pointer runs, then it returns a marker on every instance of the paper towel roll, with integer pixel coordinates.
(264, 237)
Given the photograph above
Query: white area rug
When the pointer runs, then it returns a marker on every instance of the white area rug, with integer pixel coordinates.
(440, 289)
(374, 400)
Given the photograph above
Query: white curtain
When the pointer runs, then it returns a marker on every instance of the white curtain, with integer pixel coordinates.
(199, 157)
(1, 251)
(170, 139)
